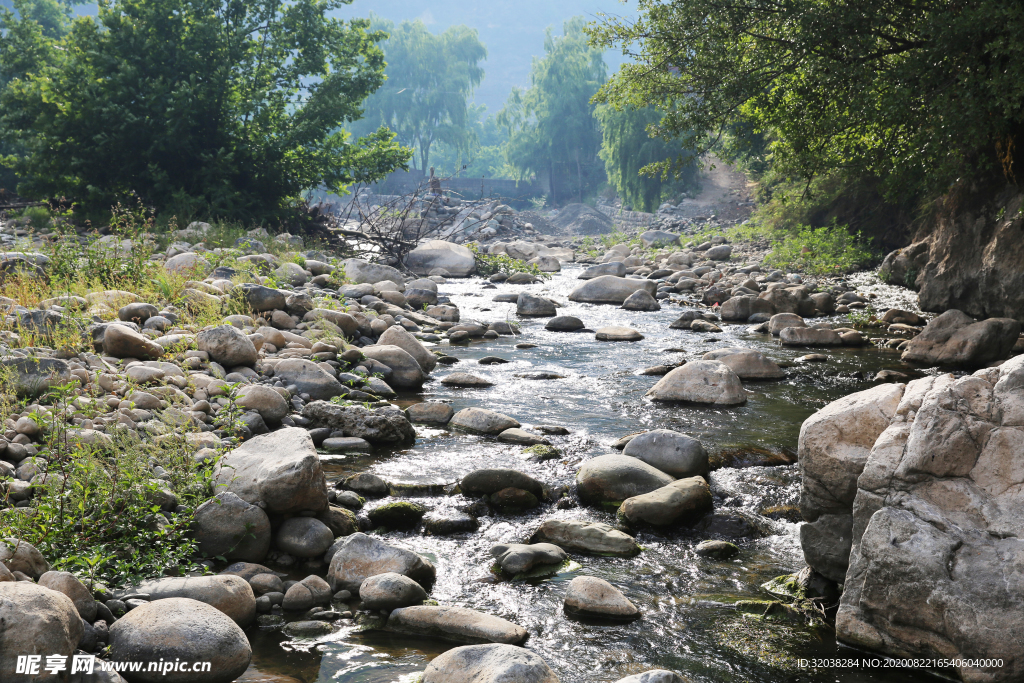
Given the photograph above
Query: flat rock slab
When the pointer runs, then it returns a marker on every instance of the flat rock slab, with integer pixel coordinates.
(616, 333)
(458, 624)
(465, 380)
(522, 437)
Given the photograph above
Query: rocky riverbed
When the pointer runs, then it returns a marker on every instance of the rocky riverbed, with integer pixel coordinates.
(580, 478)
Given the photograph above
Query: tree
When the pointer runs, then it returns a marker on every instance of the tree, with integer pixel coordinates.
(430, 78)
(911, 91)
(552, 130)
(485, 154)
(225, 108)
(628, 149)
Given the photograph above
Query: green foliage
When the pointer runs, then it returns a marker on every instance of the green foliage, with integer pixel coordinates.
(429, 78)
(909, 92)
(485, 155)
(489, 264)
(552, 129)
(224, 106)
(829, 250)
(628, 148)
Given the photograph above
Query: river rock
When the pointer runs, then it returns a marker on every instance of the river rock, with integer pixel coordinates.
(458, 624)
(614, 478)
(936, 527)
(589, 596)
(36, 376)
(137, 313)
(780, 321)
(718, 550)
(742, 307)
(406, 372)
(617, 333)
(953, 338)
(228, 593)
(488, 481)
(833, 447)
(382, 425)
(702, 381)
(809, 336)
(281, 469)
(264, 400)
(465, 380)
(641, 300)
(228, 526)
(358, 557)
(121, 341)
(564, 323)
(189, 263)
(262, 299)
(720, 252)
(180, 629)
(528, 305)
(69, 585)
(673, 453)
(309, 378)
(430, 412)
(448, 523)
(360, 271)
(609, 289)
(482, 421)
(614, 268)
(654, 676)
(679, 502)
(594, 538)
(390, 591)
(227, 345)
(35, 620)
(516, 558)
(488, 664)
(311, 591)
(22, 556)
(304, 537)
(655, 239)
(398, 336)
(746, 363)
(458, 260)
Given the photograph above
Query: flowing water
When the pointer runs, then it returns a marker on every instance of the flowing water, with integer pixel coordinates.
(689, 624)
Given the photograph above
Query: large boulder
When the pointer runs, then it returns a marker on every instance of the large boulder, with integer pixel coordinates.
(35, 620)
(936, 561)
(308, 378)
(614, 478)
(593, 538)
(382, 425)
(357, 557)
(458, 260)
(180, 630)
(488, 664)
(615, 268)
(229, 594)
(396, 335)
(69, 585)
(746, 363)
(226, 345)
(406, 372)
(953, 338)
(833, 446)
(673, 453)
(681, 501)
(458, 624)
(360, 271)
(229, 527)
(702, 381)
(280, 469)
(609, 289)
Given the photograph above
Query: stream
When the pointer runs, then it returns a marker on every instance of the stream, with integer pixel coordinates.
(688, 623)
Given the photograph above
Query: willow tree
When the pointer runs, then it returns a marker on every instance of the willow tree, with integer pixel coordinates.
(552, 129)
(430, 79)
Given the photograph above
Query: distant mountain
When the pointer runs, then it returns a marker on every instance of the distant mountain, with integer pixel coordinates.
(512, 30)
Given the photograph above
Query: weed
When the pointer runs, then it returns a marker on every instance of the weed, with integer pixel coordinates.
(829, 250)
(489, 264)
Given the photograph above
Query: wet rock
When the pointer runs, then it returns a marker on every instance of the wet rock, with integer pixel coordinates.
(454, 258)
(430, 412)
(616, 333)
(120, 341)
(528, 305)
(953, 338)
(308, 378)
(564, 323)
(22, 556)
(482, 421)
(734, 524)
(641, 300)
(368, 484)
(281, 469)
(588, 596)
(384, 425)
(227, 593)
(608, 289)
(517, 558)
(655, 676)
(358, 557)
(448, 523)
(742, 307)
(229, 527)
(703, 381)
(899, 316)
(346, 444)
(340, 521)
(390, 591)
(488, 481)
(304, 537)
(228, 346)
(679, 502)
(614, 478)
(594, 538)
(780, 321)
(180, 629)
(465, 380)
(458, 624)
(308, 629)
(717, 550)
(675, 454)
(311, 591)
(746, 363)
(512, 500)
(809, 336)
(406, 372)
(397, 515)
(522, 437)
(35, 620)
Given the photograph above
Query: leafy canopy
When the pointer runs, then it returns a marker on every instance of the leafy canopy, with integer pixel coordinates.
(905, 90)
(230, 108)
(551, 125)
(430, 78)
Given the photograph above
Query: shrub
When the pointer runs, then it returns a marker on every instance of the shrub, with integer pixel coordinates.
(829, 250)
